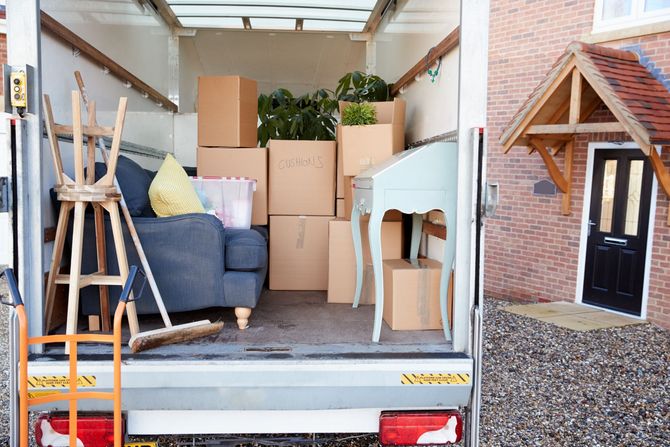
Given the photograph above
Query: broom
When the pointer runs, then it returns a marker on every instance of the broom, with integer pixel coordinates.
(169, 334)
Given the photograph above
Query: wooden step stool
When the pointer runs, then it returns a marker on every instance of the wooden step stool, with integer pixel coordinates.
(77, 194)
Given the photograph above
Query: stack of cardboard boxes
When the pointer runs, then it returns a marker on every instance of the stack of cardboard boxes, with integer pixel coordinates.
(302, 202)
(360, 148)
(227, 138)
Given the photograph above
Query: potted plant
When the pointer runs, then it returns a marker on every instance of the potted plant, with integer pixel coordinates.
(372, 127)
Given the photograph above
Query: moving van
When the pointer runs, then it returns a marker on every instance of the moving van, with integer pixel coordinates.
(326, 378)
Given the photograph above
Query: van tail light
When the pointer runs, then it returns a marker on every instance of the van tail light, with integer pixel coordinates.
(424, 427)
(93, 430)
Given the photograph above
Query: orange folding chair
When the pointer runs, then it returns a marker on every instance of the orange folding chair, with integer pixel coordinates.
(73, 395)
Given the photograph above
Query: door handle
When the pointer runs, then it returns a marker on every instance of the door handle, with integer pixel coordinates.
(591, 224)
(616, 241)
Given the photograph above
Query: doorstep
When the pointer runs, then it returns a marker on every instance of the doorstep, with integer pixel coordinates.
(576, 317)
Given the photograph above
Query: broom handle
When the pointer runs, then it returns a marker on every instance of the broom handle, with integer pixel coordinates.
(129, 220)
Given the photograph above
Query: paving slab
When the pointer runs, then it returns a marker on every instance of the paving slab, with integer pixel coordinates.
(543, 310)
(576, 322)
(614, 320)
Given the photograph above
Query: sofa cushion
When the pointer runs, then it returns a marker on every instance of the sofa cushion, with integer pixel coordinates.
(171, 192)
(246, 250)
(134, 182)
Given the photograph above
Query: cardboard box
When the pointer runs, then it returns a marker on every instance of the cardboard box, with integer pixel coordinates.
(342, 260)
(391, 215)
(302, 178)
(366, 146)
(299, 252)
(227, 111)
(339, 193)
(235, 162)
(411, 294)
(339, 208)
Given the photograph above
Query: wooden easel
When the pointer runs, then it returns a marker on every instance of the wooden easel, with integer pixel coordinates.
(77, 194)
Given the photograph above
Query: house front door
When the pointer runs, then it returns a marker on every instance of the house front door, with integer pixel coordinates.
(618, 225)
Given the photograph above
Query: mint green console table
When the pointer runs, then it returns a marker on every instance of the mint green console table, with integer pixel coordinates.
(411, 183)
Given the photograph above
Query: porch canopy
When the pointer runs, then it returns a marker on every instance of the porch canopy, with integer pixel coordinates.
(583, 78)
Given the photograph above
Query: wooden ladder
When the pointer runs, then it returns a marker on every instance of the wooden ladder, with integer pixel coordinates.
(77, 194)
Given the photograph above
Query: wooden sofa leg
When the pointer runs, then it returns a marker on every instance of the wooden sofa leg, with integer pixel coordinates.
(242, 314)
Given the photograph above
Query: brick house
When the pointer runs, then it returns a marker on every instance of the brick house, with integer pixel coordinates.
(540, 246)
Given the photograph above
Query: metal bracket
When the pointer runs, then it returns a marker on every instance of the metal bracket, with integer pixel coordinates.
(4, 195)
(491, 198)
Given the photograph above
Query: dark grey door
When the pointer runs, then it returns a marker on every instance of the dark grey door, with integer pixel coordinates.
(618, 225)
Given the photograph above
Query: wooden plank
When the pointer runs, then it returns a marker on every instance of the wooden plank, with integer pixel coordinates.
(567, 173)
(569, 129)
(77, 138)
(91, 131)
(93, 279)
(554, 172)
(431, 229)
(445, 46)
(575, 96)
(58, 30)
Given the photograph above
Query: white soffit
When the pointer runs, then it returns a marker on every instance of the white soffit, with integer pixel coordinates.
(316, 15)
(423, 16)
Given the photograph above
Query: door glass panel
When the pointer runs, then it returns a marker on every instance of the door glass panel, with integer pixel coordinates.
(633, 199)
(607, 200)
(613, 9)
(655, 5)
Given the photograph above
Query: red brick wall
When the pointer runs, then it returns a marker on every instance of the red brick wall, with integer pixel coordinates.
(531, 249)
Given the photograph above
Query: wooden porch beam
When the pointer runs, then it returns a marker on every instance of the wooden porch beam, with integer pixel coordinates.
(567, 174)
(554, 171)
(659, 169)
(568, 129)
(575, 96)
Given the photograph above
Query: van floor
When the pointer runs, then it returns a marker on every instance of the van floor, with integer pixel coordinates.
(283, 325)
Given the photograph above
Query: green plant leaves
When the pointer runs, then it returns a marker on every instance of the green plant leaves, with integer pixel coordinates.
(360, 87)
(307, 117)
(359, 114)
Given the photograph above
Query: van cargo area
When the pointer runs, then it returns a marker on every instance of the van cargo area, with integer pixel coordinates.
(286, 325)
(254, 90)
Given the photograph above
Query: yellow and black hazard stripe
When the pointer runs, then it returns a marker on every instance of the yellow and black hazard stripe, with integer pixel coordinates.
(435, 379)
(60, 381)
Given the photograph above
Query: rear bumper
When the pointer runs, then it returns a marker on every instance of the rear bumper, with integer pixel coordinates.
(198, 396)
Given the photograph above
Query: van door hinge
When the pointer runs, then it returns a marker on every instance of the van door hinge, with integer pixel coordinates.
(4, 195)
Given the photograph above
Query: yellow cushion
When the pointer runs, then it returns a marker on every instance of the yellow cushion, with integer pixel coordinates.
(171, 192)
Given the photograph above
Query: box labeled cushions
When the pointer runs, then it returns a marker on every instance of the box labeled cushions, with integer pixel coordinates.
(228, 198)
(302, 178)
(411, 294)
(299, 252)
(365, 146)
(342, 260)
(239, 162)
(227, 111)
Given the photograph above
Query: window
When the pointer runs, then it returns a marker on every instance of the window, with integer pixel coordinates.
(617, 14)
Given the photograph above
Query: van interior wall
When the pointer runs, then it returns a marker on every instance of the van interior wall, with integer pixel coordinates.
(432, 107)
(142, 50)
(301, 62)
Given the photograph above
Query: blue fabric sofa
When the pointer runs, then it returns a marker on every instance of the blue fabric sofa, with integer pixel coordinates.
(197, 262)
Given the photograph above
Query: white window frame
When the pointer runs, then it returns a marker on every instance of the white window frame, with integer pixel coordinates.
(637, 17)
(584, 232)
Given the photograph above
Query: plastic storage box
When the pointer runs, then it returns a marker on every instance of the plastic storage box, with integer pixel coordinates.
(228, 198)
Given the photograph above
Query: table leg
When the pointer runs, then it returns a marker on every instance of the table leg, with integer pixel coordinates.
(417, 227)
(375, 237)
(358, 251)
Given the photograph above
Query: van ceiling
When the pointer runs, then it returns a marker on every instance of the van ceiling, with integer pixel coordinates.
(299, 15)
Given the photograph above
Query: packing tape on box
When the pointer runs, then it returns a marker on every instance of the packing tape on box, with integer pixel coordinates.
(423, 291)
(300, 242)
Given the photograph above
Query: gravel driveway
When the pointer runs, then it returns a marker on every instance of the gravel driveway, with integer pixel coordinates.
(548, 386)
